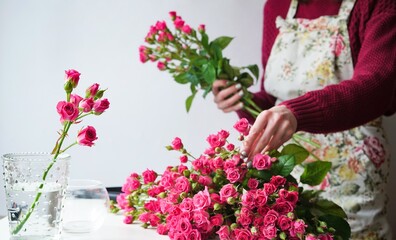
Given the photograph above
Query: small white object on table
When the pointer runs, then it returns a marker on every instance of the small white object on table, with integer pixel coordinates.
(112, 229)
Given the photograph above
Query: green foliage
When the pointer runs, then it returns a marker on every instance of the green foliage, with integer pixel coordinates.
(299, 153)
(315, 172)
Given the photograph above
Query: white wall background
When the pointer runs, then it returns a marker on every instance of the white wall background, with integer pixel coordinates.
(40, 39)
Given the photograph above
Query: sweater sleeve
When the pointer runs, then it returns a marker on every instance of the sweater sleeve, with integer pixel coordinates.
(371, 91)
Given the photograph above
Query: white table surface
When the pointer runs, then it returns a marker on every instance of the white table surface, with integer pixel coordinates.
(112, 229)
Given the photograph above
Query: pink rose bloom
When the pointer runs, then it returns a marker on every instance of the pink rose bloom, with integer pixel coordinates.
(242, 126)
(262, 211)
(172, 15)
(101, 105)
(73, 76)
(170, 38)
(187, 205)
(297, 228)
(152, 206)
(179, 23)
(75, 99)
(202, 199)
(215, 141)
(230, 147)
(224, 233)
(161, 66)
(122, 202)
(87, 136)
(262, 162)
(223, 134)
(201, 28)
(310, 237)
(160, 25)
(227, 191)
(325, 237)
(143, 57)
(154, 220)
(233, 175)
(177, 144)
(144, 217)
(261, 198)
(374, 149)
(278, 180)
(269, 188)
(183, 159)
(194, 235)
(217, 220)
(184, 225)
(284, 222)
(283, 207)
(187, 29)
(271, 217)
(162, 229)
(149, 176)
(87, 104)
(205, 180)
(253, 183)
(182, 184)
(218, 163)
(269, 231)
(248, 199)
(131, 185)
(179, 236)
(92, 90)
(202, 222)
(242, 234)
(128, 219)
(67, 111)
(229, 164)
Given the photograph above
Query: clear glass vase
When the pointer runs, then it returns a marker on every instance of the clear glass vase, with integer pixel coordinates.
(34, 200)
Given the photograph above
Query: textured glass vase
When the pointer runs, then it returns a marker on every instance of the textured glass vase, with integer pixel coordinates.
(34, 201)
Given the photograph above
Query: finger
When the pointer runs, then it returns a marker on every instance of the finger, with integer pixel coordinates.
(229, 102)
(281, 135)
(255, 131)
(265, 138)
(218, 85)
(235, 107)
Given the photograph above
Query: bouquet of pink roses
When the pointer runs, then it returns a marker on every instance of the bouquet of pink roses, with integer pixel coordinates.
(221, 194)
(192, 59)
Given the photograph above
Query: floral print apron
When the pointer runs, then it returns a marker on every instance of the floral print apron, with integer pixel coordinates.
(309, 55)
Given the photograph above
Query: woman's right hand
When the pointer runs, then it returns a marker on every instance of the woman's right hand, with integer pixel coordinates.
(227, 98)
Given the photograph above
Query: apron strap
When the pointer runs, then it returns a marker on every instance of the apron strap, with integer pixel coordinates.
(292, 9)
(346, 8)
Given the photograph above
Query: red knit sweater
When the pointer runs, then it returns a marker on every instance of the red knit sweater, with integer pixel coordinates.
(370, 93)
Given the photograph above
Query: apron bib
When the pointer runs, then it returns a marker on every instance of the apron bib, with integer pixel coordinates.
(309, 55)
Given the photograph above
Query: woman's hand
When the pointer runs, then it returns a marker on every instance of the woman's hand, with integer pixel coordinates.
(271, 129)
(227, 98)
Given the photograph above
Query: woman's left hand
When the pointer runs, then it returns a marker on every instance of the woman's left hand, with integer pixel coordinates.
(271, 129)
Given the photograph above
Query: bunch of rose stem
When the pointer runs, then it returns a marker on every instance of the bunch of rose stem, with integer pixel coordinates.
(174, 52)
(71, 112)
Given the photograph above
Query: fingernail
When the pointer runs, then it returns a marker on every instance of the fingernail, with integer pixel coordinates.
(238, 86)
(240, 93)
(243, 154)
(240, 105)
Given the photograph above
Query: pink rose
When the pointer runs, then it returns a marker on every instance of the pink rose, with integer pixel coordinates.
(162, 229)
(182, 184)
(248, 199)
(269, 188)
(284, 222)
(87, 104)
(215, 141)
(374, 150)
(172, 15)
(242, 126)
(122, 201)
(72, 76)
(202, 199)
(201, 28)
(92, 90)
(182, 168)
(201, 220)
(187, 205)
(187, 29)
(233, 175)
(217, 220)
(170, 38)
(253, 183)
(149, 176)
(311, 237)
(194, 235)
(161, 66)
(160, 25)
(230, 147)
(67, 111)
(262, 162)
(325, 237)
(261, 198)
(128, 219)
(224, 233)
(278, 180)
(87, 136)
(75, 99)
(269, 231)
(242, 234)
(183, 159)
(297, 228)
(205, 180)
(177, 144)
(283, 207)
(179, 23)
(184, 225)
(144, 217)
(271, 217)
(223, 134)
(100, 106)
(227, 191)
(143, 57)
(218, 163)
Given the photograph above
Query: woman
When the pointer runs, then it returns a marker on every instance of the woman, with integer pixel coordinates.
(330, 70)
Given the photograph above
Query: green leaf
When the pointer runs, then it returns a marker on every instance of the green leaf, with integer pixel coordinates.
(299, 153)
(254, 70)
(181, 78)
(189, 101)
(339, 224)
(205, 40)
(209, 73)
(315, 172)
(207, 90)
(215, 52)
(261, 174)
(222, 42)
(327, 207)
(284, 166)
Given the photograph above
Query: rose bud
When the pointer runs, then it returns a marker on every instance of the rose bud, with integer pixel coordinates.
(100, 106)
(73, 77)
(87, 136)
(92, 90)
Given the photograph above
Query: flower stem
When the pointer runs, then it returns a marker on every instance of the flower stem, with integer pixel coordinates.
(253, 112)
(38, 195)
